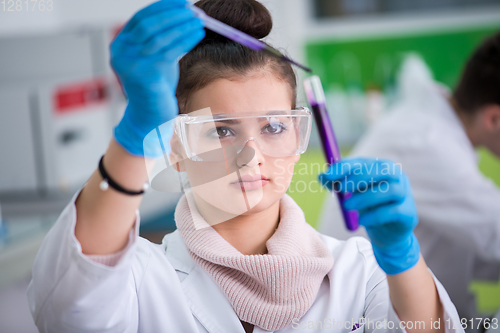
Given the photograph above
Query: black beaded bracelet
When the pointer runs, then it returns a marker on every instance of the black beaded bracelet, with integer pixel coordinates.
(107, 182)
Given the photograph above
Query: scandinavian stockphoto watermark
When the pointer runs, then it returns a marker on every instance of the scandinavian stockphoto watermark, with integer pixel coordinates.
(373, 181)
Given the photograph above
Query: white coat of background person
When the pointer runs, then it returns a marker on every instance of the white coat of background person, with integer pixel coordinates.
(459, 208)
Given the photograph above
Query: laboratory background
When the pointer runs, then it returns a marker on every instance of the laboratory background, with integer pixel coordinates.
(59, 100)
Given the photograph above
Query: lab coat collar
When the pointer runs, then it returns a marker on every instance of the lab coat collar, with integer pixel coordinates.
(177, 253)
(207, 301)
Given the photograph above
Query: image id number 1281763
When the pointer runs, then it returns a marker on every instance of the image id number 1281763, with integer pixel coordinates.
(26, 5)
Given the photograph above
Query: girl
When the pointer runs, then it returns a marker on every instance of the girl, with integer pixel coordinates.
(243, 258)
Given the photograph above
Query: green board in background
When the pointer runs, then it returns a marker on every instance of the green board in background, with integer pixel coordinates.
(374, 61)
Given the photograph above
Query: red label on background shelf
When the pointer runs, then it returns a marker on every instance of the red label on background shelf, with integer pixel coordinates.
(80, 95)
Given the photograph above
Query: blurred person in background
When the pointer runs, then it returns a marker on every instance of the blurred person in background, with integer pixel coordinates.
(433, 135)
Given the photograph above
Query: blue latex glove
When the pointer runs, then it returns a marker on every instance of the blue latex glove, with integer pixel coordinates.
(145, 56)
(383, 197)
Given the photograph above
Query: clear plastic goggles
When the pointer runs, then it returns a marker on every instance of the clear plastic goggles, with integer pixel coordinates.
(211, 137)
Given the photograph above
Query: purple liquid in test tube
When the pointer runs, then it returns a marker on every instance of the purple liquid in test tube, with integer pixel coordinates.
(316, 97)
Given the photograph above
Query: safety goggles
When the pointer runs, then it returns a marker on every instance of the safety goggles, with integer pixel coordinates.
(215, 137)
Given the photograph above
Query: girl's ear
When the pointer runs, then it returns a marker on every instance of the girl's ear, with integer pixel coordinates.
(179, 166)
(177, 154)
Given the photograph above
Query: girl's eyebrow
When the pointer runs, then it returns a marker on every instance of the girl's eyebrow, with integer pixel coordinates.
(227, 121)
(236, 121)
(221, 119)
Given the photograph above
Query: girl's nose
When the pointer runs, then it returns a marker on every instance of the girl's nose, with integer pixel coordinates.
(250, 155)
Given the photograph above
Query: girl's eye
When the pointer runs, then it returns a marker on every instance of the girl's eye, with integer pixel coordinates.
(220, 132)
(275, 128)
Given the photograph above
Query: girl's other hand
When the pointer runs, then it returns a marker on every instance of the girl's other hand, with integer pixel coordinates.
(382, 194)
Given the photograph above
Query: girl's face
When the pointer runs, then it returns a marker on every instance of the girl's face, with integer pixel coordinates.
(256, 181)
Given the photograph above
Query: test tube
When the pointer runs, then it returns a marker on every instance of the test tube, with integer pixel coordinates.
(316, 98)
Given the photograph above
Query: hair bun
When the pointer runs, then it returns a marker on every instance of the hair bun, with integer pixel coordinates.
(249, 16)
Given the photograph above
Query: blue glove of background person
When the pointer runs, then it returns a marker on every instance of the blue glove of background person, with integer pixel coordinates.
(145, 56)
(383, 197)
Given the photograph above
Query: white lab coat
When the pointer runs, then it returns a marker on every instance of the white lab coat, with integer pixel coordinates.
(459, 209)
(159, 288)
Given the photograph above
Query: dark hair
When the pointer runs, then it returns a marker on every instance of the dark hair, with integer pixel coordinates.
(217, 57)
(480, 81)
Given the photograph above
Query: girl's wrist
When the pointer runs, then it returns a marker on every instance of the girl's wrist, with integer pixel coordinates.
(128, 170)
(396, 260)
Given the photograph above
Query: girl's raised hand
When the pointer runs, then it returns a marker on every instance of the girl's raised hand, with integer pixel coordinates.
(145, 56)
(382, 194)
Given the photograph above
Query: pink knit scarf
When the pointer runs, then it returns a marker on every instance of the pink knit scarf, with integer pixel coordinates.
(268, 290)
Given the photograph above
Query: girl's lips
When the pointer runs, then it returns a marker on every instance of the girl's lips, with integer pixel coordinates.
(252, 185)
(250, 182)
